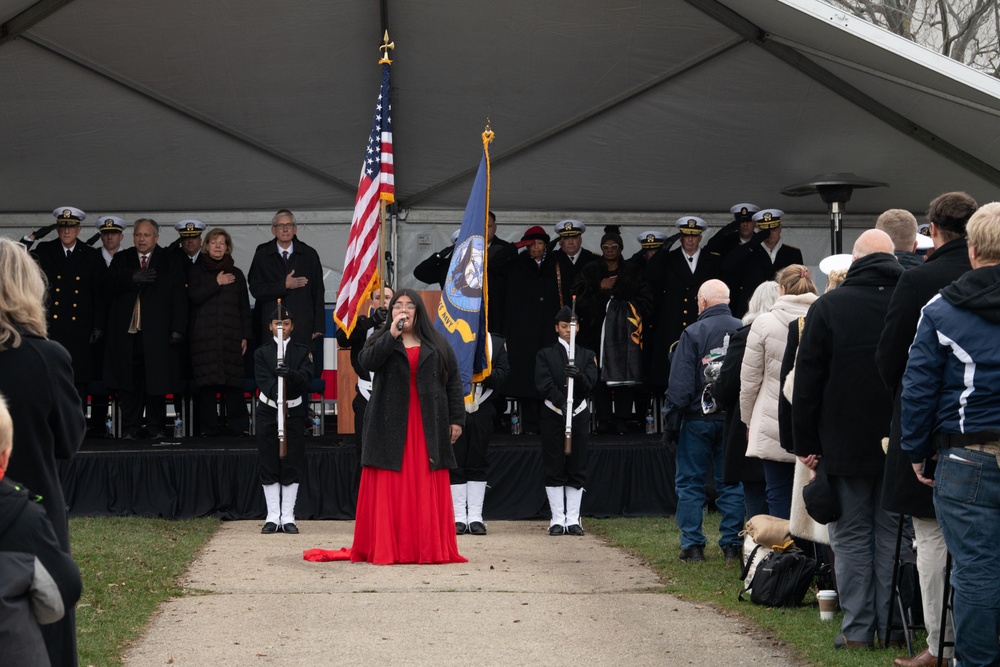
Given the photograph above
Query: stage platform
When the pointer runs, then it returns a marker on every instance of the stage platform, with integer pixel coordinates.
(630, 475)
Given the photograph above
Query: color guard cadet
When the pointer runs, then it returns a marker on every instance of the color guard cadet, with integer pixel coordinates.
(570, 257)
(565, 475)
(76, 302)
(674, 279)
(759, 259)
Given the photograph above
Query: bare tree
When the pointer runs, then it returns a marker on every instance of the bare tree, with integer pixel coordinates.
(966, 30)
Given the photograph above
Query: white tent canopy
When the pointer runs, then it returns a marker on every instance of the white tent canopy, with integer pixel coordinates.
(688, 106)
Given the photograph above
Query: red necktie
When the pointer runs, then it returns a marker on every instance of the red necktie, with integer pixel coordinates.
(143, 261)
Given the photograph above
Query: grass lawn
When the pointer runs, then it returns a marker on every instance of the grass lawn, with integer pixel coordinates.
(657, 541)
(129, 566)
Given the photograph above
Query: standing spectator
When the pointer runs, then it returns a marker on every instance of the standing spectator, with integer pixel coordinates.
(570, 258)
(147, 317)
(841, 413)
(612, 297)
(700, 444)
(468, 477)
(290, 270)
(186, 251)
(220, 332)
(951, 389)
(901, 227)
(565, 476)
(37, 376)
(760, 258)
(111, 229)
(760, 384)
(674, 280)
(737, 467)
(532, 302)
(901, 491)
(76, 312)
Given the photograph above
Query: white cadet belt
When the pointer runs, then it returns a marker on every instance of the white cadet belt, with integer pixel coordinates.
(577, 410)
(271, 404)
(365, 388)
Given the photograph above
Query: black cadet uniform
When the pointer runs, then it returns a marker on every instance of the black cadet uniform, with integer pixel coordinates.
(299, 361)
(564, 475)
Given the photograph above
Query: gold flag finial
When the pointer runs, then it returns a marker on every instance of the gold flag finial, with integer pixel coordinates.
(385, 48)
(488, 132)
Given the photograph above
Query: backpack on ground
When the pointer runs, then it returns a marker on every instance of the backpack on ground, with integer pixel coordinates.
(781, 579)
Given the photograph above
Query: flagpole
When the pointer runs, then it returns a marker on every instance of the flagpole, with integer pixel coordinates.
(386, 47)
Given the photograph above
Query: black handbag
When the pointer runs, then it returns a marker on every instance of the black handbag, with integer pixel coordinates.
(820, 499)
(781, 579)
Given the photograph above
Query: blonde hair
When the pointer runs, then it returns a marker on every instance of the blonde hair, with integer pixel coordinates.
(763, 298)
(795, 279)
(22, 295)
(835, 278)
(983, 230)
(6, 426)
(901, 227)
(218, 231)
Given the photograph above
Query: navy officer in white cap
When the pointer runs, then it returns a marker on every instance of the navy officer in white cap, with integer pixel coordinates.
(570, 258)
(189, 239)
(758, 260)
(674, 279)
(76, 312)
(737, 232)
(63, 212)
(112, 229)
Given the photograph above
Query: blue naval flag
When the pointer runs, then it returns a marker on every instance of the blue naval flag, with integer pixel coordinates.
(462, 309)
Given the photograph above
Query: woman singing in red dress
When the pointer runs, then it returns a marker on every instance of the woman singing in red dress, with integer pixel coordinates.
(416, 412)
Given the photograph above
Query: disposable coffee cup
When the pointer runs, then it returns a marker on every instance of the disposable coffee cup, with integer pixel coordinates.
(827, 604)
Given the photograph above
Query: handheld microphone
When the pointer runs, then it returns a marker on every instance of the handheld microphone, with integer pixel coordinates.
(400, 324)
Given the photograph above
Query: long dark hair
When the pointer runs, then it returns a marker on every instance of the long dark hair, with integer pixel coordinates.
(423, 328)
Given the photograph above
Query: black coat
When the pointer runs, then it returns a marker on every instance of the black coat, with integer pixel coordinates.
(565, 271)
(442, 402)
(736, 466)
(37, 380)
(529, 313)
(550, 374)
(749, 265)
(840, 407)
(25, 528)
(592, 301)
(675, 289)
(267, 284)
(299, 360)
(164, 310)
(76, 300)
(220, 321)
(901, 492)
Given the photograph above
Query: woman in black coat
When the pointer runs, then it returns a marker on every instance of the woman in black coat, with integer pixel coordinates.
(36, 376)
(220, 330)
(415, 415)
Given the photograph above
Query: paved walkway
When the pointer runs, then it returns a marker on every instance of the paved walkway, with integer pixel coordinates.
(523, 598)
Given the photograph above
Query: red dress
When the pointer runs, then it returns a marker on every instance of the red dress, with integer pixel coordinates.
(405, 516)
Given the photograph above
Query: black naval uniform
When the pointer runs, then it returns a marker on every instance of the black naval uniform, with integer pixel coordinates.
(298, 358)
(77, 308)
(470, 448)
(550, 378)
(749, 265)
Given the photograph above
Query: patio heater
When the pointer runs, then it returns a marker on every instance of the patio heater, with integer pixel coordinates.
(835, 190)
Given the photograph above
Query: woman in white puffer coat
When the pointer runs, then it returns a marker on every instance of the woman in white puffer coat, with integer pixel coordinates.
(760, 384)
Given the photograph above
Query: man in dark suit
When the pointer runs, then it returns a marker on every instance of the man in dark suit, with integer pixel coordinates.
(288, 269)
(76, 303)
(674, 280)
(756, 261)
(147, 318)
(901, 491)
(736, 233)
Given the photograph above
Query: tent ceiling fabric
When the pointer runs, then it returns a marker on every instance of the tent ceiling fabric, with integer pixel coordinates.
(640, 106)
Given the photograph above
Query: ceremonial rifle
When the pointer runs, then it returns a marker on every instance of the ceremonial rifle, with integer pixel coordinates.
(282, 403)
(568, 441)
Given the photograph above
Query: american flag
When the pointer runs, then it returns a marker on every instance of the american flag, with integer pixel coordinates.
(376, 184)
